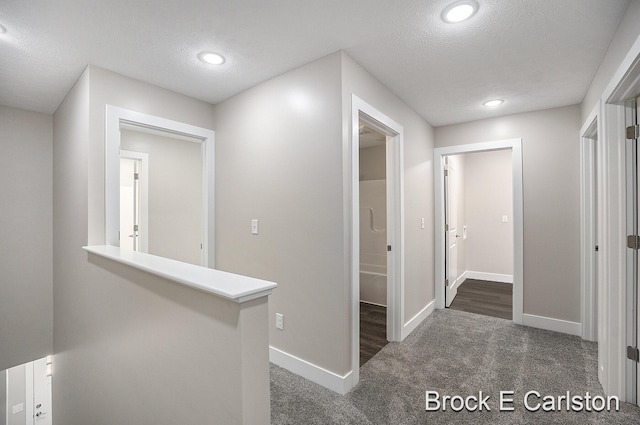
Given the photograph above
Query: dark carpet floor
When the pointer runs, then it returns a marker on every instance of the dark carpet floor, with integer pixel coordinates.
(454, 353)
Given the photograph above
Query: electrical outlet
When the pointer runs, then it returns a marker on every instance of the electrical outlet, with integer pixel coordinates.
(254, 227)
(280, 321)
(505, 218)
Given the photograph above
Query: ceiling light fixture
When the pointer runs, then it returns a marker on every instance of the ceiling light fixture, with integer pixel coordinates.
(211, 58)
(493, 103)
(459, 11)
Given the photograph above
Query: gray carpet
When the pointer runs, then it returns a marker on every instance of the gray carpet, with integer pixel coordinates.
(455, 353)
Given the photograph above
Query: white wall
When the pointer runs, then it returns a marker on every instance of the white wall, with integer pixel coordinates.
(627, 33)
(131, 347)
(26, 306)
(551, 179)
(175, 194)
(489, 196)
(279, 160)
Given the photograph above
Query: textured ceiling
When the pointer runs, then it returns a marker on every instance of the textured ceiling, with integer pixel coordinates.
(535, 54)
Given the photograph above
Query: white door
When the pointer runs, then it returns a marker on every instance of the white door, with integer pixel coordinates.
(41, 393)
(451, 231)
(129, 204)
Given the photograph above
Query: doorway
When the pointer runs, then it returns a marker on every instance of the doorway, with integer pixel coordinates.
(366, 115)
(25, 394)
(479, 233)
(373, 241)
(134, 201)
(442, 234)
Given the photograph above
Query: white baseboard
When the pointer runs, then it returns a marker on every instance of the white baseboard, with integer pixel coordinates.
(493, 277)
(413, 323)
(549, 324)
(314, 373)
(460, 279)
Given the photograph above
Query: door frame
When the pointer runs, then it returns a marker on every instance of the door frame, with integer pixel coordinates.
(439, 154)
(144, 195)
(613, 311)
(589, 223)
(361, 110)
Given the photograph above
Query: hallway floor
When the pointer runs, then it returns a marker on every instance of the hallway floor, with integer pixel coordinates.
(493, 299)
(373, 330)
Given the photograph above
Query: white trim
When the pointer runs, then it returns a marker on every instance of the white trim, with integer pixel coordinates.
(117, 118)
(588, 226)
(550, 324)
(310, 371)
(28, 399)
(461, 278)
(144, 195)
(493, 277)
(395, 220)
(515, 145)
(416, 320)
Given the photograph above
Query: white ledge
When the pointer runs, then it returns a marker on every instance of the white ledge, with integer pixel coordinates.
(226, 285)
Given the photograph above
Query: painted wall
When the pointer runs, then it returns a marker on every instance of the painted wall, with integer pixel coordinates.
(419, 289)
(551, 177)
(373, 163)
(131, 347)
(17, 394)
(26, 289)
(489, 196)
(279, 156)
(175, 194)
(627, 33)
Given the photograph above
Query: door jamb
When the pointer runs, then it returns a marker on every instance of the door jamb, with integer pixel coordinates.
(588, 216)
(144, 195)
(395, 179)
(515, 145)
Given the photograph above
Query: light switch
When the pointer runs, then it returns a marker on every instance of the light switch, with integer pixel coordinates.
(422, 223)
(505, 218)
(17, 408)
(254, 227)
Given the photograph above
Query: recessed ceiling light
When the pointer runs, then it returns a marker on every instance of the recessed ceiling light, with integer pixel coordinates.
(211, 58)
(459, 11)
(493, 103)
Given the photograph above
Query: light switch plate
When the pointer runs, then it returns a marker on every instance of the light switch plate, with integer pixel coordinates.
(254, 227)
(17, 408)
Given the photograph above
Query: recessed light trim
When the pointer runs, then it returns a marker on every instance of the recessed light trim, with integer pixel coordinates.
(493, 103)
(459, 11)
(211, 58)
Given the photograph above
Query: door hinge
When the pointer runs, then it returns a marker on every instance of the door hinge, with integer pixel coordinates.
(597, 248)
(633, 242)
(389, 248)
(136, 176)
(633, 131)
(446, 282)
(446, 227)
(135, 227)
(446, 173)
(633, 354)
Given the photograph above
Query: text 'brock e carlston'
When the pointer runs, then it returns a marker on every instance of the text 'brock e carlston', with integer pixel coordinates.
(532, 401)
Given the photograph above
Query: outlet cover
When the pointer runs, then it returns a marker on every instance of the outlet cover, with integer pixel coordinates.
(280, 321)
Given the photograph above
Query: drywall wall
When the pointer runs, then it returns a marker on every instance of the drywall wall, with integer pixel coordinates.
(627, 33)
(175, 194)
(551, 175)
(279, 160)
(373, 163)
(131, 347)
(419, 290)
(17, 394)
(26, 306)
(489, 197)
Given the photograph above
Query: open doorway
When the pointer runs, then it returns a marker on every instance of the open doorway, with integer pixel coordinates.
(479, 233)
(363, 114)
(25, 394)
(373, 241)
(442, 234)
